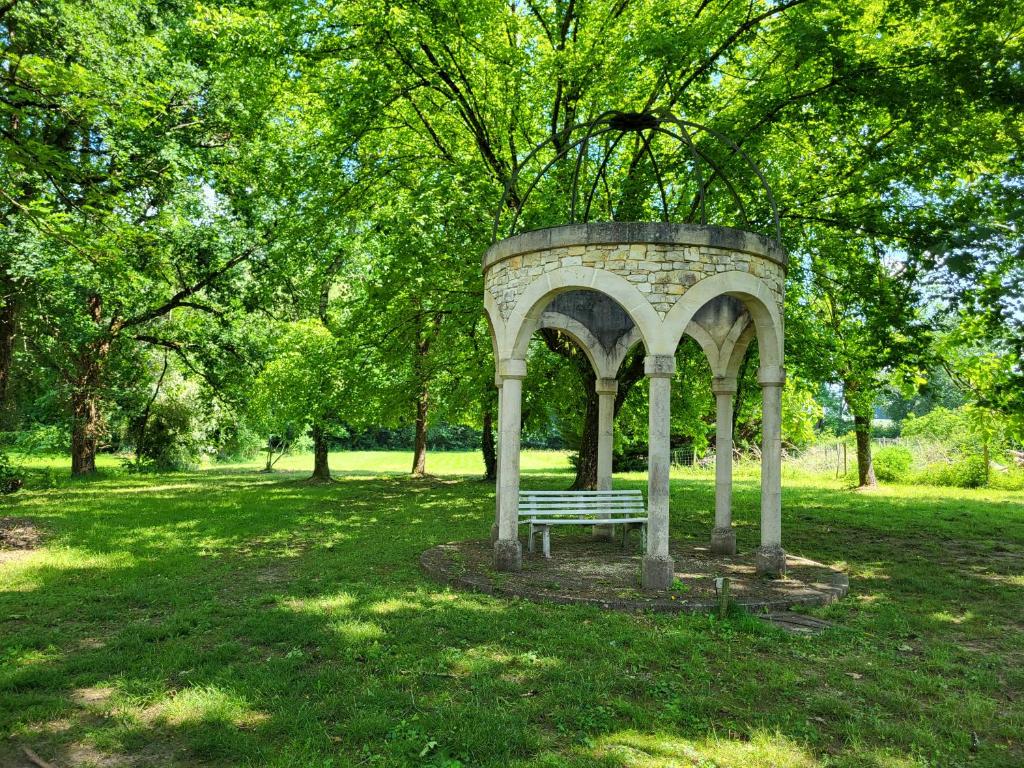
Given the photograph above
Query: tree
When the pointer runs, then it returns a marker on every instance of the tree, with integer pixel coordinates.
(851, 125)
(123, 169)
(305, 386)
(854, 319)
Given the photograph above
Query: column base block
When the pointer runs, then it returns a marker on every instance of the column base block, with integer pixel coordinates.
(508, 555)
(723, 541)
(494, 532)
(657, 573)
(602, 532)
(771, 561)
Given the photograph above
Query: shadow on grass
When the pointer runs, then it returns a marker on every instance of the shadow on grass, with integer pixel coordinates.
(234, 618)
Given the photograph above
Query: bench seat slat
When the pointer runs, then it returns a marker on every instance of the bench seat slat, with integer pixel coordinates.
(580, 521)
(581, 493)
(577, 505)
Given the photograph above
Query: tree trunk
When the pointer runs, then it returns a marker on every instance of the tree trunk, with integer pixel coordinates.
(86, 421)
(8, 331)
(586, 462)
(490, 455)
(737, 399)
(419, 451)
(421, 372)
(865, 469)
(631, 372)
(321, 471)
(86, 427)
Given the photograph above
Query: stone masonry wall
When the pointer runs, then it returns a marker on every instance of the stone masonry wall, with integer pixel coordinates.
(662, 272)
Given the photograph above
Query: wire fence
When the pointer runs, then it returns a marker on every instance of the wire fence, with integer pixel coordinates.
(838, 457)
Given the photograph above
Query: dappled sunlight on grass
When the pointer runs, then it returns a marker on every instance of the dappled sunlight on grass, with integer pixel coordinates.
(325, 605)
(209, 704)
(393, 605)
(631, 749)
(950, 618)
(226, 617)
(357, 631)
(32, 569)
(488, 660)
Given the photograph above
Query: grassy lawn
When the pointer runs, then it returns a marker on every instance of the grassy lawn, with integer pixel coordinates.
(226, 617)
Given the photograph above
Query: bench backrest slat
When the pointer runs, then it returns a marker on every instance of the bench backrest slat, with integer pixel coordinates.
(605, 504)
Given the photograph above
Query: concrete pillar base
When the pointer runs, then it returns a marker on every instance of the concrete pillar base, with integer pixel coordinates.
(771, 561)
(657, 573)
(723, 541)
(602, 532)
(508, 555)
(494, 532)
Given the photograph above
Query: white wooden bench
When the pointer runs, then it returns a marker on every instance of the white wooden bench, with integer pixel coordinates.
(543, 509)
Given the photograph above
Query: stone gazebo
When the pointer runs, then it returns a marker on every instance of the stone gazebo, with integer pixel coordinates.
(612, 285)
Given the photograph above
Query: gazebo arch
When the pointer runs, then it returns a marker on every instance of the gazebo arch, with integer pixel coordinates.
(650, 282)
(525, 318)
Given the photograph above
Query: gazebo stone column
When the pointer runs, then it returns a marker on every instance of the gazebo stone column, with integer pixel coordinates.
(497, 468)
(771, 558)
(508, 552)
(657, 568)
(606, 390)
(723, 537)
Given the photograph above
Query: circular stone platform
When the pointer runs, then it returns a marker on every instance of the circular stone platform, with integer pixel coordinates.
(586, 572)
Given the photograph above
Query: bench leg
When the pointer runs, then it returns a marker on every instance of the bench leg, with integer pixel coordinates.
(546, 541)
(625, 536)
(643, 537)
(529, 546)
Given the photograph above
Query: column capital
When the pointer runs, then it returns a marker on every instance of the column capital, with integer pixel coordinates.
(723, 385)
(659, 366)
(771, 375)
(498, 379)
(512, 368)
(606, 386)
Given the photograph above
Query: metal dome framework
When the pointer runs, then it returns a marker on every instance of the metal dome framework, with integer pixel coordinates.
(613, 127)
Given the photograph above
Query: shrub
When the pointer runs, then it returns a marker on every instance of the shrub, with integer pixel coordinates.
(1011, 479)
(239, 443)
(892, 463)
(10, 478)
(43, 439)
(171, 442)
(967, 472)
(965, 430)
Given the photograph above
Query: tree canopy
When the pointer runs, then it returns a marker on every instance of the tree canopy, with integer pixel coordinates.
(198, 181)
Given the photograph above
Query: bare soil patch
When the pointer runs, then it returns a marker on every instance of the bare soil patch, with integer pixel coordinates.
(19, 533)
(584, 571)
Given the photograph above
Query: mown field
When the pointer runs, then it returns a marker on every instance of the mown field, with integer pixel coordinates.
(225, 617)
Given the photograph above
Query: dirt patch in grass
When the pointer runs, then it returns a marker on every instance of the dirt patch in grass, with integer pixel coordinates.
(19, 533)
(18, 536)
(583, 571)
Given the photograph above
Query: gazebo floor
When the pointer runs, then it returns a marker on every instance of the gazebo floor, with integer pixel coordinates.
(587, 572)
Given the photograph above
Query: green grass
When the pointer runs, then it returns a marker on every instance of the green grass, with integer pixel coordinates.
(226, 617)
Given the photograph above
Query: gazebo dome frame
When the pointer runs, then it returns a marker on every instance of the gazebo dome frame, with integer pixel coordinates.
(612, 285)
